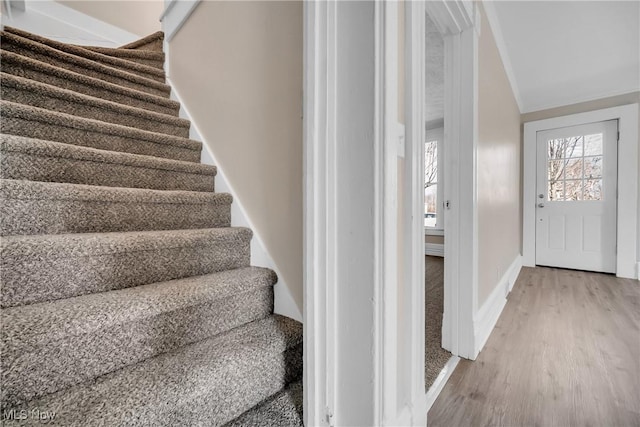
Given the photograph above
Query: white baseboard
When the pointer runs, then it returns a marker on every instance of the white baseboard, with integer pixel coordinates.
(441, 380)
(53, 20)
(638, 270)
(434, 249)
(284, 302)
(487, 316)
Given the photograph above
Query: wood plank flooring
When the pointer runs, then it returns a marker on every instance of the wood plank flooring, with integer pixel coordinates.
(565, 352)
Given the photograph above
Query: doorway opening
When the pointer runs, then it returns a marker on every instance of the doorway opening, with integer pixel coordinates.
(436, 357)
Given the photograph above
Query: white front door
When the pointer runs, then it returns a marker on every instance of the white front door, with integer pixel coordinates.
(576, 197)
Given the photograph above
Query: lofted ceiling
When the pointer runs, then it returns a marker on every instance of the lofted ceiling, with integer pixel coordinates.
(564, 52)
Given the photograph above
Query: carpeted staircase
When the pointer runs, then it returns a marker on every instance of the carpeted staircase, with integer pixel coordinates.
(127, 298)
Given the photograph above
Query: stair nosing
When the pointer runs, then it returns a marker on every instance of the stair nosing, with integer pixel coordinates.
(141, 294)
(100, 57)
(88, 63)
(34, 86)
(91, 81)
(81, 153)
(151, 55)
(73, 241)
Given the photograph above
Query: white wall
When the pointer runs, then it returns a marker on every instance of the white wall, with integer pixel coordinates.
(141, 17)
(499, 176)
(59, 22)
(238, 69)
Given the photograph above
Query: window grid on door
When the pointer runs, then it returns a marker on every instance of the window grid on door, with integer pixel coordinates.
(575, 168)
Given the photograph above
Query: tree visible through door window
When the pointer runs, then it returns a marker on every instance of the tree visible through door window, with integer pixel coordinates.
(430, 183)
(575, 168)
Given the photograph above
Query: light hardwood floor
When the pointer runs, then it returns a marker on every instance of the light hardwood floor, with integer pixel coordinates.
(565, 352)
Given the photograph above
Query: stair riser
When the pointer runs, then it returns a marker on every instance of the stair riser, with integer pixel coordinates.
(28, 280)
(65, 362)
(43, 100)
(94, 139)
(283, 409)
(33, 167)
(264, 376)
(23, 70)
(61, 62)
(48, 216)
(273, 373)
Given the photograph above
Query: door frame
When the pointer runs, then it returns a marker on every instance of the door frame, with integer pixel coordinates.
(627, 203)
(355, 371)
(459, 23)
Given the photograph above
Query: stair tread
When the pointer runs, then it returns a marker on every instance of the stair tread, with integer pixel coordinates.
(93, 244)
(46, 344)
(32, 46)
(210, 382)
(15, 143)
(282, 409)
(49, 69)
(29, 112)
(89, 54)
(127, 53)
(37, 324)
(82, 99)
(35, 190)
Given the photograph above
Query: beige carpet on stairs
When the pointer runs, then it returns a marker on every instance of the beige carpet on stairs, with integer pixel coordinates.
(435, 356)
(126, 297)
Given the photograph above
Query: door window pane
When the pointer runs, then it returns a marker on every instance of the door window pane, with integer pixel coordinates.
(574, 168)
(573, 189)
(593, 167)
(593, 189)
(556, 190)
(593, 144)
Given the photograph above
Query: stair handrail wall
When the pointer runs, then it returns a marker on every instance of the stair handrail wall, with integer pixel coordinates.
(175, 15)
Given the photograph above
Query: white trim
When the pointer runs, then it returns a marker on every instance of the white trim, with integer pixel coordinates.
(461, 218)
(627, 209)
(430, 231)
(53, 20)
(490, 311)
(638, 270)
(319, 270)
(415, 77)
(434, 249)
(175, 14)
(284, 302)
(386, 214)
(579, 100)
(496, 29)
(441, 381)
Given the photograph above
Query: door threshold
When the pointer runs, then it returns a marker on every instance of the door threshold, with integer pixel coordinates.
(441, 380)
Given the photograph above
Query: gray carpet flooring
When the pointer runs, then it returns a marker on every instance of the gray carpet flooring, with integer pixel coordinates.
(435, 356)
(126, 296)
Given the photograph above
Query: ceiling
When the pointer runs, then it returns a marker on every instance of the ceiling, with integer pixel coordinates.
(435, 76)
(563, 52)
(555, 52)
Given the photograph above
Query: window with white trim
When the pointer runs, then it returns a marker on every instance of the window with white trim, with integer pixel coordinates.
(433, 185)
